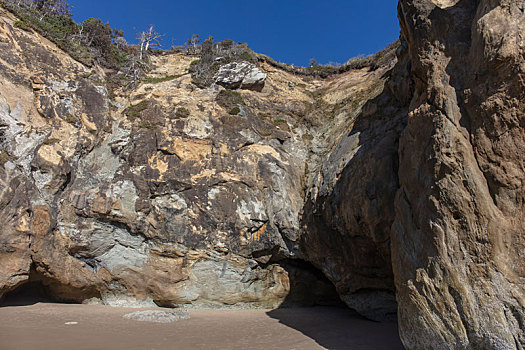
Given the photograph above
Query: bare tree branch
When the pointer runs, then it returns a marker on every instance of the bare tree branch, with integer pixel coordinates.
(148, 39)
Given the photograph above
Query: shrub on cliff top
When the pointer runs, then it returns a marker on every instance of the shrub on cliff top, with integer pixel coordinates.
(214, 55)
(91, 41)
(22, 25)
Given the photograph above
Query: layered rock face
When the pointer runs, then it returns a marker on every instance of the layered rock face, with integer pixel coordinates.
(399, 182)
(169, 193)
(458, 239)
(161, 196)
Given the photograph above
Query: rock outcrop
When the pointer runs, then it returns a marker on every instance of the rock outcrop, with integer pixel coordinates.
(157, 195)
(244, 75)
(402, 182)
(350, 208)
(458, 240)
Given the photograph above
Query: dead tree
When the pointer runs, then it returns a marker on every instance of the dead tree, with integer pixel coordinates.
(52, 8)
(133, 71)
(148, 39)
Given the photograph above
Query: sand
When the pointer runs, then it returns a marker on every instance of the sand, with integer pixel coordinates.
(77, 327)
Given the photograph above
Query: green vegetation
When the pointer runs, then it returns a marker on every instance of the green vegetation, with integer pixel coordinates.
(52, 20)
(228, 99)
(192, 44)
(22, 25)
(182, 112)
(156, 80)
(235, 111)
(143, 124)
(134, 111)
(102, 39)
(372, 62)
(246, 56)
(214, 55)
(322, 69)
(279, 122)
(95, 42)
(90, 42)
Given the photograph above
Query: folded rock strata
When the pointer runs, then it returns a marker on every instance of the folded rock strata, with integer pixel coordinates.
(399, 185)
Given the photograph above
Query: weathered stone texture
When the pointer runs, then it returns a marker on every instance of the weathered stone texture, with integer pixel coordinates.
(157, 194)
(402, 183)
(243, 75)
(458, 240)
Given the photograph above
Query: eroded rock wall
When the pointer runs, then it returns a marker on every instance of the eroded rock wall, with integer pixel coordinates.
(150, 197)
(350, 209)
(458, 244)
(402, 180)
(161, 194)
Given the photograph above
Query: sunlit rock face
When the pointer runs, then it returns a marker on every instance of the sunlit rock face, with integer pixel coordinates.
(458, 237)
(242, 75)
(396, 188)
(169, 193)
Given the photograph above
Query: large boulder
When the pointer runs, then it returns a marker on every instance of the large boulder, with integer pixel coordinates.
(244, 75)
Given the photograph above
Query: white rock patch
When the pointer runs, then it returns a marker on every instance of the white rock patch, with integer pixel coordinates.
(158, 316)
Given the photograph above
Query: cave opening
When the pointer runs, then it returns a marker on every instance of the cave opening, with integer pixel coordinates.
(39, 288)
(308, 286)
(28, 293)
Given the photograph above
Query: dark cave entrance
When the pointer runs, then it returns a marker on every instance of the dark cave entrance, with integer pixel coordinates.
(308, 286)
(28, 293)
(41, 289)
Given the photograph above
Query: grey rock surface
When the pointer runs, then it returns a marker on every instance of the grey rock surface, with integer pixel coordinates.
(400, 182)
(158, 316)
(244, 75)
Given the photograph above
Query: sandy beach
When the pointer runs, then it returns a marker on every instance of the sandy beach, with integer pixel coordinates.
(48, 326)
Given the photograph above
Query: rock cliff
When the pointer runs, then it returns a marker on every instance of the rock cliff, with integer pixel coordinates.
(168, 193)
(401, 181)
(458, 239)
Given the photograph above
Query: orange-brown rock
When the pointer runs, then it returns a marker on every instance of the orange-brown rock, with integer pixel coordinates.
(402, 182)
(458, 239)
(156, 194)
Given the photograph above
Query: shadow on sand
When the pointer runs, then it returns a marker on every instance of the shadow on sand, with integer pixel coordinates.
(313, 308)
(332, 326)
(339, 328)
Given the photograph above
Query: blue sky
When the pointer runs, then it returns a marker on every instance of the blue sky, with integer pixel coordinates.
(289, 31)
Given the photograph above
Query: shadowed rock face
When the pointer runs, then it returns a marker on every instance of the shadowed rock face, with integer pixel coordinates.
(457, 241)
(350, 209)
(402, 182)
